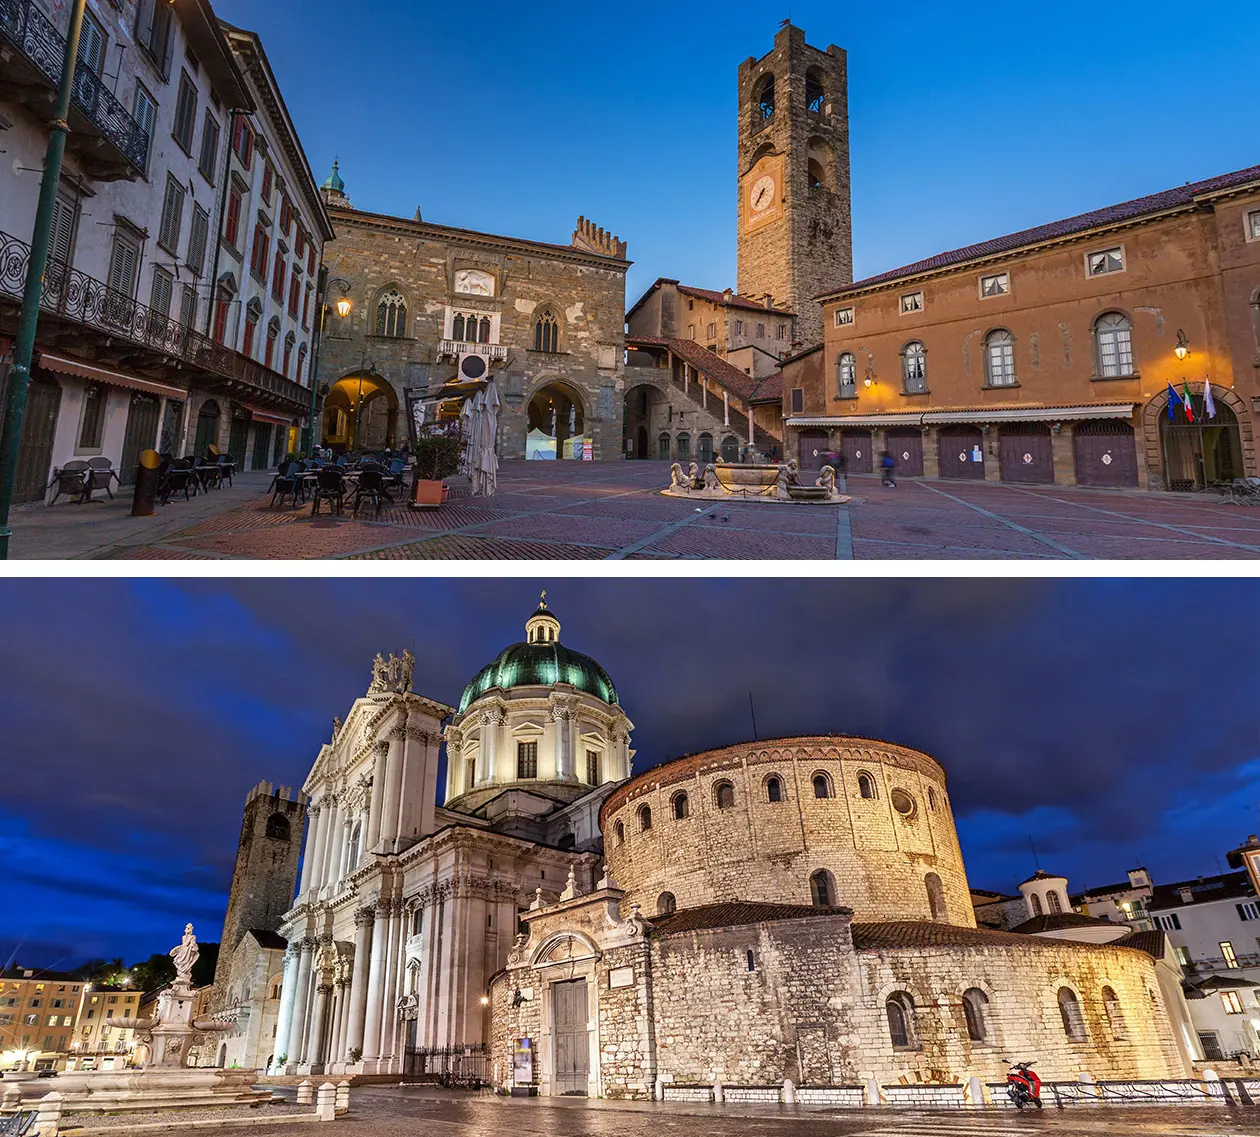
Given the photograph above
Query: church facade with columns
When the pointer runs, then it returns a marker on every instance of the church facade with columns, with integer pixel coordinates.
(406, 908)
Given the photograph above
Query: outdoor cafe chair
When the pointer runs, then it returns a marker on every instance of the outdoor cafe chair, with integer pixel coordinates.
(176, 479)
(288, 483)
(372, 487)
(101, 473)
(71, 480)
(18, 1124)
(394, 475)
(227, 467)
(330, 486)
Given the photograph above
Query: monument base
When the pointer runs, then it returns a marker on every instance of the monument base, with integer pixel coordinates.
(126, 1091)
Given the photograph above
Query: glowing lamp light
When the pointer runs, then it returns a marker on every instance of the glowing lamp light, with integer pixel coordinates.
(868, 382)
(485, 1000)
(1183, 346)
(343, 307)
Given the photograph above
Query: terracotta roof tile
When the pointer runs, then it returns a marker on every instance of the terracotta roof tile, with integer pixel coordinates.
(907, 934)
(732, 301)
(1058, 921)
(737, 913)
(1179, 196)
(1153, 942)
(770, 389)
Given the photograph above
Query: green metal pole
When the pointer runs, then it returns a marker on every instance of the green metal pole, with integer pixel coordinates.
(321, 308)
(20, 377)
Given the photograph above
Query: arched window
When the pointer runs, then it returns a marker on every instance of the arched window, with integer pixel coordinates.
(999, 358)
(682, 807)
(724, 795)
(931, 798)
(846, 376)
(816, 175)
(1070, 1012)
(278, 827)
(273, 992)
(1035, 901)
(900, 1011)
(815, 95)
(1052, 899)
(1113, 336)
(457, 329)
(866, 786)
(822, 889)
(547, 332)
(645, 818)
(356, 844)
(914, 367)
(763, 99)
(619, 833)
(666, 905)
(483, 330)
(391, 314)
(774, 788)
(1115, 1014)
(822, 785)
(974, 1002)
(936, 896)
(417, 922)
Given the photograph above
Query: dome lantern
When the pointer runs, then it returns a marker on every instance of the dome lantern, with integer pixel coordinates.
(542, 627)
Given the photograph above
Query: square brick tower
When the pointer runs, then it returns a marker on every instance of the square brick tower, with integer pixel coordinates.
(265, 877)
(795, 224)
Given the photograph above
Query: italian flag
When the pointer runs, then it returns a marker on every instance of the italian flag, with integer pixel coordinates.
(1185, 402)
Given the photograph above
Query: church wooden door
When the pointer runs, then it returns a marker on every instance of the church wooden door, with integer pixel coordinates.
(573, 1052)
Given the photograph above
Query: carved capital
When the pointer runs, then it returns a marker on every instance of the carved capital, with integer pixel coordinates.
(398, 732)
(363, 917)
(381, 747)
(493, 716)
(419, 734)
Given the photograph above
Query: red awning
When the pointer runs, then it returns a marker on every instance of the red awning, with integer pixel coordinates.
(259, 415)
(101, 375)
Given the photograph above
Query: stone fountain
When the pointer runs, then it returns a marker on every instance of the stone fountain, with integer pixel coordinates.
(773, 482)
(164, 1080)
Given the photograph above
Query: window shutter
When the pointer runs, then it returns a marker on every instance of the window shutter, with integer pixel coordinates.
(165, 30)
(172, 216)
(160, 294)
(122, 267)
(91, 44)
(197, 239)
(188, 306)
(62, 237)
(144, 23)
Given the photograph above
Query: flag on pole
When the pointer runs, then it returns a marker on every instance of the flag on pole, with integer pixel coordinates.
(1173, 400)
(1209, 404)
(1185, 402)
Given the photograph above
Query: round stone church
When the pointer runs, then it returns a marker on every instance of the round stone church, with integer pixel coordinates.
(793, 911)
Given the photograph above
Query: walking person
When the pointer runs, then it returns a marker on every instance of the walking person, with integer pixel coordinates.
(841, 468)
(887, 464)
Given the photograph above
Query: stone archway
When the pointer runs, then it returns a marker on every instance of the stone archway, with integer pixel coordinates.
(1184, 456)
(360, 413)
(556, 416)
(645, 409)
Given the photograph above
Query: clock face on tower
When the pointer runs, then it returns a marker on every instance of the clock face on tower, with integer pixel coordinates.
(763, 192)
(762, 195)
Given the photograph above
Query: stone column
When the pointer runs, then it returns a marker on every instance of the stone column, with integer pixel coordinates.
(376, 983)
(319, 1027)
(315, 847)
(332, 851)
(359, 984)
(312, 839)
(562, 716)
(298, 1029)
(393, 966)
(490, 722)
(284, 1018)
(347, 827)
(392, 800)
(704, 393)
(343, 1020)
(726, 407)
(381, 750)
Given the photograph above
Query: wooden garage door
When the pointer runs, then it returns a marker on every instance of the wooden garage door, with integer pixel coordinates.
(1026, 453)
(39, 426)
(960, 451)
(573, 1051)
(813, 445)
(1106, 454)
(856, 445)
(905, 444)
(262, 446)
(141, 434)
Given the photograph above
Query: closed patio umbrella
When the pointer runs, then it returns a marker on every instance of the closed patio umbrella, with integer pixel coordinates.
(488, 458)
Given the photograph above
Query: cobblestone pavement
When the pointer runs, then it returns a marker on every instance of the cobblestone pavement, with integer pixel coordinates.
(394, 1111)
(567, 511)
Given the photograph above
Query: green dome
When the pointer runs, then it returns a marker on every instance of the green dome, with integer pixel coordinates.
(333, 181)
(540, 665)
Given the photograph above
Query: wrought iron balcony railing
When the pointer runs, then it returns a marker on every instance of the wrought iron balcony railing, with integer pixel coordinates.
(35, 36)
(73, 295)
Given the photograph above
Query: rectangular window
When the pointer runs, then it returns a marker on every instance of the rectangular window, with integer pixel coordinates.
(1169, 923)
(243, 141)
(691, 331)
(124, 262)
(911, 302)
(1248, 911)
(310, 260)
(798, 400)
(592, 768)
(1231, 1002)
(198, 235)
(258, 254)
(92, 44)
(527, 759)
(232, 226)
(1108, 260)
(306, 304)
(251, 324)
(781, 332)
(266, 183)
(277, 277)
(295, 293)
(999, 284)
(209, 147)
(712, 330)
(154, 32)
(185, 113)
(286, 214)
(172, 215)
(93, 425)
(161, 292)
(1253, 225)
(144, 111)
(221, 318)
(1183, 956)
(188, 306)
(761, 331)
(844, 317)
(1227, 953)
(739, 327)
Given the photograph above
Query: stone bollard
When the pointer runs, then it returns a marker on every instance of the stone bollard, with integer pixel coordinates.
(872, 1090)
(975, 1090)
(12, 1100)
(306, 1093)
(1088, 1084)
(326, 1102)
(658, 1089)
(719, 1095)
(48, 1119)
(343, 1097)
(789, 1092)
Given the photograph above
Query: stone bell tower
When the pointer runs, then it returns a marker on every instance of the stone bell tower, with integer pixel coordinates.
(795, 225)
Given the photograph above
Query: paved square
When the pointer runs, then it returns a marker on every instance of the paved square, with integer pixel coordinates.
(588, 511)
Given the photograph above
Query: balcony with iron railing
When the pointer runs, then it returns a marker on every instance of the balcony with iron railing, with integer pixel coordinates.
(452, 349)
(107, 141)
(73, 302)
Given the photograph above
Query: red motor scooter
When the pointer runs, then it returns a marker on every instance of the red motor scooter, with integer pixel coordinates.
(1023, 1086)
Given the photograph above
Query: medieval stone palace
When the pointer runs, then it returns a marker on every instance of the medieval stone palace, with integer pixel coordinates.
(790, 909)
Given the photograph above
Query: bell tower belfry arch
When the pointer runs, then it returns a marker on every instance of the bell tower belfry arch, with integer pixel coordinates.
(795, 224)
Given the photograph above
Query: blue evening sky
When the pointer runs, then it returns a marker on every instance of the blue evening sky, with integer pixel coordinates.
(968, 120)
(1115, 721)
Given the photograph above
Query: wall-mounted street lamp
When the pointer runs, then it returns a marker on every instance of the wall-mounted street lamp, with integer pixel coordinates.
(869, 381)
(485, 1000)
(343, 302)
(1183, 345)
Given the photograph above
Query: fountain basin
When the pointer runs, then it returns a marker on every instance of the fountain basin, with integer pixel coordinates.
(742, 478)
(109, 1091)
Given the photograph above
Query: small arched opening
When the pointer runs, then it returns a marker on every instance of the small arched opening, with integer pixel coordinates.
(361, 414)
(557, 423)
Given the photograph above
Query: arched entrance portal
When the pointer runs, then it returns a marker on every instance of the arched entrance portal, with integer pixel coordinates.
(361, 414)
(1203, 452)
(646, 414)
(557, 424)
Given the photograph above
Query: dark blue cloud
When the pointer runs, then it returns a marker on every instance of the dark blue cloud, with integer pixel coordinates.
(1115, 721)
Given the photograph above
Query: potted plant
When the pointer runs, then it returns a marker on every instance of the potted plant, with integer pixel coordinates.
(436, 458)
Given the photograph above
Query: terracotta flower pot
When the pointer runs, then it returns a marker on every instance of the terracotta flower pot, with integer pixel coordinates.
(429, 492)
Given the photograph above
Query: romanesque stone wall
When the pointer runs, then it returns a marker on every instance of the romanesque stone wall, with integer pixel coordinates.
(879, 859)
(586, 292)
